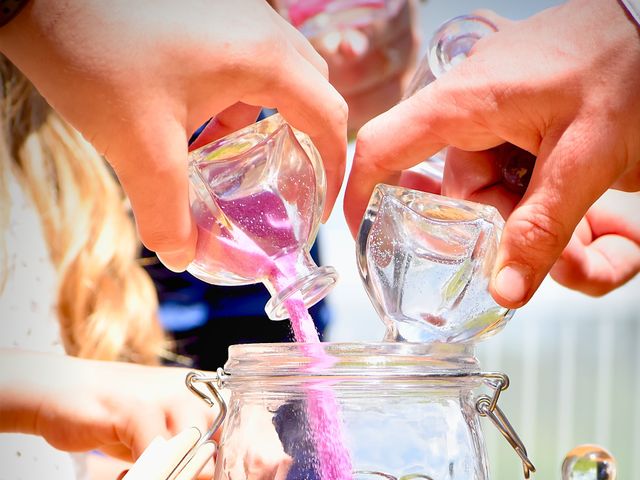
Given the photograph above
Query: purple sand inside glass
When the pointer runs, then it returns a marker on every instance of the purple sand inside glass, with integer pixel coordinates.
(323, 411)
(261, 229)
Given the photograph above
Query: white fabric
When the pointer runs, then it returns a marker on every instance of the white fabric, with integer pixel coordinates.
(633, 7)
(28, 321)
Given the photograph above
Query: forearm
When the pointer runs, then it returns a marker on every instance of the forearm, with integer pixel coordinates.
(21, 392)
(29, 40)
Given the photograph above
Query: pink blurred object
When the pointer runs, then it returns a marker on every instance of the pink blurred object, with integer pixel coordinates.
(302, 10)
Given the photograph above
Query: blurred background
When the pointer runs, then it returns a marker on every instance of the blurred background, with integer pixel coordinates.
(573, 360)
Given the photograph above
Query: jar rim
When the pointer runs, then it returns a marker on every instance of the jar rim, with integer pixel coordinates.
(354, 360)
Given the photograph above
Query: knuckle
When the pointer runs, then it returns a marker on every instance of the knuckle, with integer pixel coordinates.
(340, 111)
(324, 66)
(536, 230)
(364, 141)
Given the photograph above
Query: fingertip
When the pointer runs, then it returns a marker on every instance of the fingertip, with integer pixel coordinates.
(352, 216)
(512, 285)
(186, 438)
(176, 261)
(328, 208)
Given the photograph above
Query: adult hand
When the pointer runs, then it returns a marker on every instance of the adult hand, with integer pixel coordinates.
(562, 85)
(81, 405)
(137, 78)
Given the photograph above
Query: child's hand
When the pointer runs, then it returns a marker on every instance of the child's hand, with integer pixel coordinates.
(81, 405)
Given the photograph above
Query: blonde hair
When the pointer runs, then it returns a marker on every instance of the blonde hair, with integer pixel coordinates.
(106, 302)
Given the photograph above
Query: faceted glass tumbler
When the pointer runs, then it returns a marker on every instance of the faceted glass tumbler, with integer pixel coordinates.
(257, 197)
(426, 262)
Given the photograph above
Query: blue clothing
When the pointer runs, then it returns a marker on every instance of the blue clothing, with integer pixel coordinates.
(206, 319)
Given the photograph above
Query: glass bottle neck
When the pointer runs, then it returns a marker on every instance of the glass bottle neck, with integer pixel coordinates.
(296, 276)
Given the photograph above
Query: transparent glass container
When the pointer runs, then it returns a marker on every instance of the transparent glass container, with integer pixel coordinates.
(450, 45)
(403, 411)
(257, 197)
(426, 261)
(589, 462)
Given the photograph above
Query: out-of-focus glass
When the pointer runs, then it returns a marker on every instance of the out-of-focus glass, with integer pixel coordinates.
(257, 197)
(369, 46)
(406, 411)
(426, 262)
(449, 46)
(589, 462)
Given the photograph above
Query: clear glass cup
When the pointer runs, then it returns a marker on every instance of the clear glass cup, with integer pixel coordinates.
(406, 411)
(257, 197)
(369, 45)
(426, 262)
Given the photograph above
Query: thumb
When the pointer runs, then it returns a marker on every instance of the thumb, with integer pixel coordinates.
(566, 181)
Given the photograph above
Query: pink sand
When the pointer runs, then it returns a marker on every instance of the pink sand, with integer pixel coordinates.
(262, 230)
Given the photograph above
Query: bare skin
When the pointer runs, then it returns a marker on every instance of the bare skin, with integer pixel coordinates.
(82, 405)
(137, 79)
(562, 85)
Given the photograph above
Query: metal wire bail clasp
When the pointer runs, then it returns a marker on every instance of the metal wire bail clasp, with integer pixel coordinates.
(214, 384)
(488, 407)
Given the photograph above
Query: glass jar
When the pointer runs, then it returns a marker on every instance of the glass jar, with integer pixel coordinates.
(391, 411)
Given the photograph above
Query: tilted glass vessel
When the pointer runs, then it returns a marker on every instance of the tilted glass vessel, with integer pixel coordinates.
(257, 197)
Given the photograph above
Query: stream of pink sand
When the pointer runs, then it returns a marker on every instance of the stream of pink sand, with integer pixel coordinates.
(262, 226)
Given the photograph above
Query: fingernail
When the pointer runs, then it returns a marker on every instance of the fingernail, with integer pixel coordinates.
(175, 261)
(513, 283)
